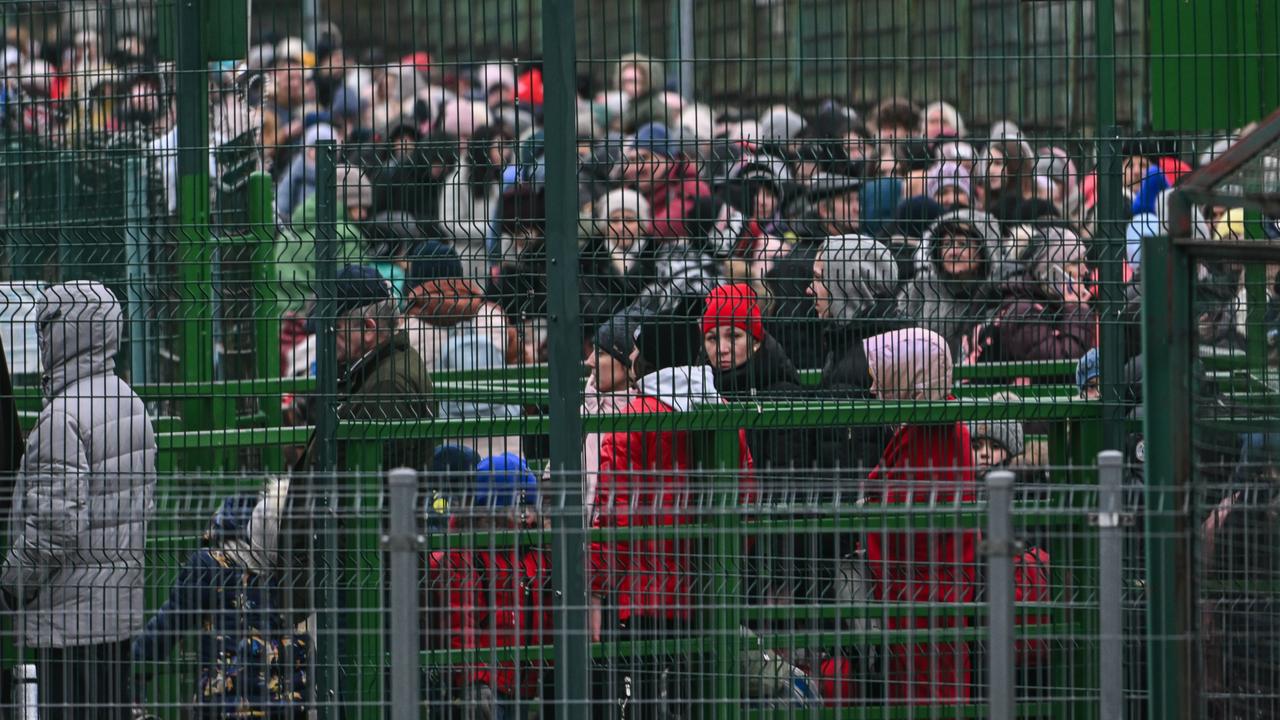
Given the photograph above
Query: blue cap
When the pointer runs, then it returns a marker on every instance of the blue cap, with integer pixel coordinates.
(358, 286)
(505, 480)
(1087, 369)
(656, 138)
(454, 459)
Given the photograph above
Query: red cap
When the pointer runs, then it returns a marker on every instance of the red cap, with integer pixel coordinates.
(420, 61)
(529, 87)
(736, 306)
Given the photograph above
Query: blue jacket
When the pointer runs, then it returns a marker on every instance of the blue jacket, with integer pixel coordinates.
(252, 664)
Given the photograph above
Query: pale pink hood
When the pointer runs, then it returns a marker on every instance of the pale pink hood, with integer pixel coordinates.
(909, 364)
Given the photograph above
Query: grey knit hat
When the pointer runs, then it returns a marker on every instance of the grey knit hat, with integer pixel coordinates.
(1005, 433)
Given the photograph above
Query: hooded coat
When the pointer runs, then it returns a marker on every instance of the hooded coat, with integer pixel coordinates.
(644, 481)
(86, 487)
(861, 276)
(926, 466)
(950, 306)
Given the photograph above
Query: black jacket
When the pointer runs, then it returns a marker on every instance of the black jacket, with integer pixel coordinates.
(769, 376)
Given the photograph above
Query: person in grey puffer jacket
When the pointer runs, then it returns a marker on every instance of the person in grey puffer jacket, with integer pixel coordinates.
(958, 266)
(83, 497)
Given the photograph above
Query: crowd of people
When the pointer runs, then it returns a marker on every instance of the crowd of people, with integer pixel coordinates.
(722, 251)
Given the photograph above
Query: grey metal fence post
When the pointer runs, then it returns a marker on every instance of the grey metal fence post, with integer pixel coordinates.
(402, 543)
(1110, 579)
(999, 550)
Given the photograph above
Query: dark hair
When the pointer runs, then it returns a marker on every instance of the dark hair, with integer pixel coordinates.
(899, 112)
(484, 172)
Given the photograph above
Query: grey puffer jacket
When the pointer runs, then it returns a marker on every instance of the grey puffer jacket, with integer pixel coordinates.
(86, 487)
(955, 307)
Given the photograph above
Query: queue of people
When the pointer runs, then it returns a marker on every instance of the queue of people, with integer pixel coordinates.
(722, 252)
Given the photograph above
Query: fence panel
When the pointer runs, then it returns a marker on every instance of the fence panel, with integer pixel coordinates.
(757, 289)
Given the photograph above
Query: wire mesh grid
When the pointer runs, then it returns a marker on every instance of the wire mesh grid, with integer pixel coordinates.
(643, 242)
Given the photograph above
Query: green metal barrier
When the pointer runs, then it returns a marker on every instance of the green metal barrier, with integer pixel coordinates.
(1073, 442)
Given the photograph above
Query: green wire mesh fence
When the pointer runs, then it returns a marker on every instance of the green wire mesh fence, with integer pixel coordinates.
(808, 248)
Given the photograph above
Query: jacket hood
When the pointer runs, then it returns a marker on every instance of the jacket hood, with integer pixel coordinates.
(910, 364)
(859, 272)
(681, 387)
(79, 333)
(252, 540)
(985, 227)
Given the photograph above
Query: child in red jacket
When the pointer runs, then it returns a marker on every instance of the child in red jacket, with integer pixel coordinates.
(925, 466)
(499, 597)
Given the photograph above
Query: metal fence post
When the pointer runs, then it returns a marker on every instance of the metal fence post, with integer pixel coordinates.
(195, 304)
(572, 658)
(999, 550)
(327, 429)
(402, 543)
(1110, 578)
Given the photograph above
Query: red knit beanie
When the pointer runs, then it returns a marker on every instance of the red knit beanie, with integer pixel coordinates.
(736, 306)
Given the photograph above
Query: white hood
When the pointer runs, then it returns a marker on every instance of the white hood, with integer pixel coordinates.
(681, 387)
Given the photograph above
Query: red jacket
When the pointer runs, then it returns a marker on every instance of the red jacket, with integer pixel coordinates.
(491, 599)
(672, 201)
(644, 482)
(925, 465)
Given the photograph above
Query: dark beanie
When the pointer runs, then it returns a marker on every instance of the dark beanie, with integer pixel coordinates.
(668, 341)
(617, 337)
(433, 260)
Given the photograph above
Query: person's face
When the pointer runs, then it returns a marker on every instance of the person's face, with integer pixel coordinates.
(819, 292)
(633, 81)
(641, 166)
(936, 126)
(623, 228)
(633, 358)
(1092, 389)
(840, 213)
(728, 347)
(290, 82)
(607, 373)
(402, 146)
(334, 67)
(988, 454)
(952, 196)
(357, 213)
(1071, 282)
(143, 99)
(354, 337)
(765, 202)
(1135, 168)
(995, 170)
(859, 148)
(960, 255)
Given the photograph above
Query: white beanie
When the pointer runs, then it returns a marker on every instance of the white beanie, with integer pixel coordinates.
(620, 199)
(780, 124)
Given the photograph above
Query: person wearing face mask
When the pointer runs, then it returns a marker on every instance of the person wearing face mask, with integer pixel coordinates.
(953, 290)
